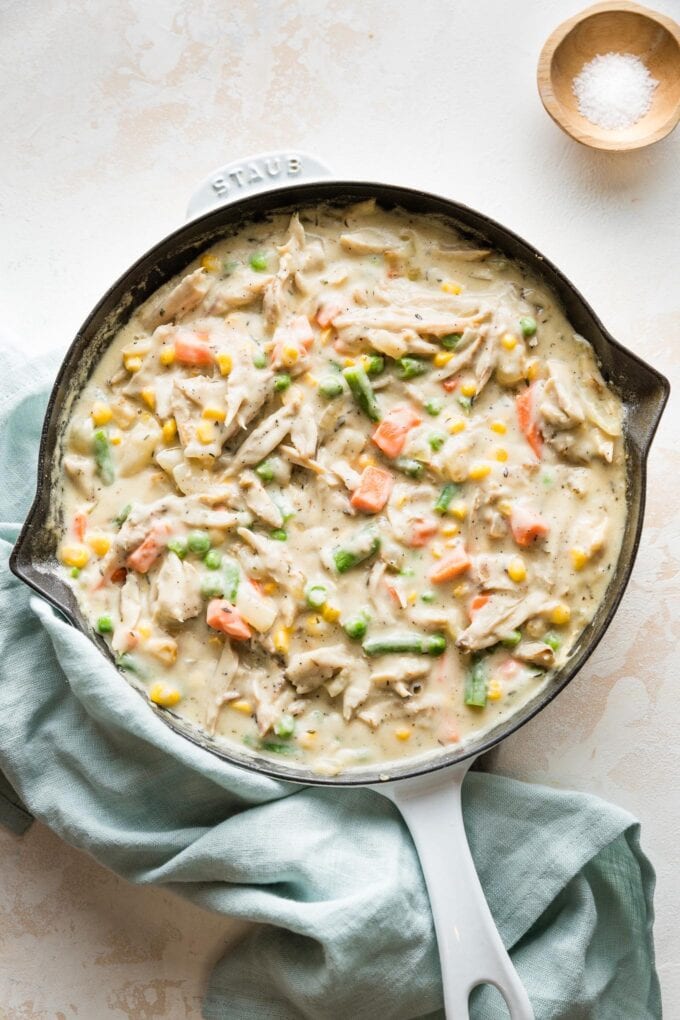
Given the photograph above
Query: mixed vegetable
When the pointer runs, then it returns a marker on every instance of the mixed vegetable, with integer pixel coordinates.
(346, 490)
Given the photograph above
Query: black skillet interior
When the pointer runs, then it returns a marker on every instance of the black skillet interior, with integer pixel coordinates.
(643, 390)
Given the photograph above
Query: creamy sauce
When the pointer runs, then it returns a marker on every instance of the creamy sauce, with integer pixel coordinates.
(347, 491)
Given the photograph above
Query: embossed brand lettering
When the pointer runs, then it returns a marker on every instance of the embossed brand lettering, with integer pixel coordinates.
(273, 167)
(255, 172)
(294, 165)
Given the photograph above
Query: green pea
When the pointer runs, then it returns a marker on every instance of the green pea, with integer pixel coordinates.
(316, 596)
(281, 382)
(436, 440)
(451, 341)
(528, 325)
(198, 542)
(355, 627)
(373, 364)
(552, 640)
(75, 572)
(213, 559)
(511, 639)
(178, 546)
(465, 403)
(105, 624)
(260, 360)
(434, 407)
(258, 262)
(409, 368)
(427, 596)
(265, 471)
(279, 535)
(212, 586)
(331, 387)
(285, 726)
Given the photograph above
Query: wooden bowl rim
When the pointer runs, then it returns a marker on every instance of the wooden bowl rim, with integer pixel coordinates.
(555, 108)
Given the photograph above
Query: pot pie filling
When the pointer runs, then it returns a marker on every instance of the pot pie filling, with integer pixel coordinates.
(345, 492)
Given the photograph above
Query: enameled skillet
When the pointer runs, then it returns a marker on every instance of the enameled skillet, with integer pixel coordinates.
(426, 791)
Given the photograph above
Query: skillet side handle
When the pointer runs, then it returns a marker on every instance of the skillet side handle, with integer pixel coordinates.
(257, 173)
(470, 949)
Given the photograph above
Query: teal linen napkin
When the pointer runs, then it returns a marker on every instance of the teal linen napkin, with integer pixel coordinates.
(332, 876)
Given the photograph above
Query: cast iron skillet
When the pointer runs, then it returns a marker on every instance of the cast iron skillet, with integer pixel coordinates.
(426, 790)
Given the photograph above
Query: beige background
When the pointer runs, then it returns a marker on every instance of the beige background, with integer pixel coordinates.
(109, 115)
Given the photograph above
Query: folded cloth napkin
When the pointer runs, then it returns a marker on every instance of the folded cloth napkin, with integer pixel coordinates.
(331, 875)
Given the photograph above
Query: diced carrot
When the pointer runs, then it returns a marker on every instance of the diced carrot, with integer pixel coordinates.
(526, 419)
(146, 554)
(422, 531)
(390, 435)
(509, 667)
(393, 593)
(450, 384)
(119, 575)
(327, 313)
(257, 585)
(478, 602)
(192, 350)
(454, 563)
(222, 616)
(373, 490)
(448, 732)
(526, 525)
(79, 525)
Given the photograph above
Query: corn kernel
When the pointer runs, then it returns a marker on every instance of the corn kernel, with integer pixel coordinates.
(214, 414)
(99, 544)
(501, 454)
(579, 558)
(74, 555)
(411, 597)
(365, 460)
(437, 550)
(282, 640)
(242, 706)
(164, 696)
(461, 590)
(458, 510)
(290, 355)
(451, 543)
(560, 615)
(225, 362)
(505, 507)
(509, 341)
(449, 530)
(210, 263)
(167, 355)
(456, 426)
(494, 691)
(330, 613)
(401, 501)
(169, 430)
(101, 413)
(205, 431)
(479, 471)
(533, 369)
(270, 588)
(442, 358)
(325, 336)
(348, 362)
(148, 395)
(310, 379)
(143, 630)
(307, 740)
(499, 427)
(469, 389)
(313, 624)
(115, 438)
(403, 733)
(517, 571)
(451, 288)
(132, 362)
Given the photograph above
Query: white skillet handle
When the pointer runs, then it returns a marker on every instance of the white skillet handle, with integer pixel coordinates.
(470, 949)
(258, 173)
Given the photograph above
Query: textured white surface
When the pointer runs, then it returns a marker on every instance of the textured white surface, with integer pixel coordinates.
(110, 114)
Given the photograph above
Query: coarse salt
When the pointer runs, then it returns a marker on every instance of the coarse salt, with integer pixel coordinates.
(614, 90)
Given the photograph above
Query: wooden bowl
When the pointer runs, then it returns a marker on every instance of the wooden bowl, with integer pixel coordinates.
(619, 28)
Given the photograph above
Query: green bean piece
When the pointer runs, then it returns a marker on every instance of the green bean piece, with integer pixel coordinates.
(213, 559)
(212, 586)
(552, 640)
(359, 547)
(406, 642)
(105, 624)
(285, 726)
(409, 367)
(273, 746)
(427, 596)
(331, 387)
(511, 639)
(528, 325)
(265, 471)
(281, 382)
(279, 535)
(373, 364)
(258, 262)
(409, 466)
(476, 685)
(362, 391)
(120, 519)
(102, 457)
(231, 574)
(198, 542)
(355, 626)
(229, 265)
(316, 595)
(451, 341)
(434, 407)
(178, 546)
(131, 665)
(436, 440)
(448, 493)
